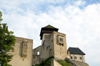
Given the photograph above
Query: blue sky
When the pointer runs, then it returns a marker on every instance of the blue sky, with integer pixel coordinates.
(78, 19)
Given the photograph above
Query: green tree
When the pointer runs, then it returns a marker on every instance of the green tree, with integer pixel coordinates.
(7, 39)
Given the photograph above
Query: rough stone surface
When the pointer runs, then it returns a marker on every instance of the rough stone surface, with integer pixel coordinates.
(18, 59)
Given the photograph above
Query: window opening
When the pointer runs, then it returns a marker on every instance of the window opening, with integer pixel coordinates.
(80, 58)
(61, 39)
(71, 57)
(38, 53)
(75, 57)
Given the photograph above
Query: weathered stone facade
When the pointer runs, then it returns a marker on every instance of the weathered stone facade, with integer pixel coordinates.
(53, 44)
(22, 52)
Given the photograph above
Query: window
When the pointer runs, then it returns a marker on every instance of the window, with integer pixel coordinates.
(62, 44)
(67, 52)
(61, 39)
(80, 58)
(71, 57)
(25, 44)
(38, 53)
(75, 57)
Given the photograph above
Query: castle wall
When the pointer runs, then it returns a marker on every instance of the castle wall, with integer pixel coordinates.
(80, 58)
(47, 46)
(55, 63)
(37, 55)
(60, 45)
(19, 59)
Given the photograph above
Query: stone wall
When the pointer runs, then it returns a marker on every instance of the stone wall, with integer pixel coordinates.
(77, 57)
(36, 55)
(60, 50)
(18, 59)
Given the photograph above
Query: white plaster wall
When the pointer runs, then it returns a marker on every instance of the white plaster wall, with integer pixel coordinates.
(78, 57)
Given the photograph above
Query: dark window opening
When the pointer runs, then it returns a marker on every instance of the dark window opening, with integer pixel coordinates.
(61, 39)
(75, 57)
(62, 44)
(80, 58)
(71, 57)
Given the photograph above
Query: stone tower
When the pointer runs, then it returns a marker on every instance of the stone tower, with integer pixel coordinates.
(53, 43)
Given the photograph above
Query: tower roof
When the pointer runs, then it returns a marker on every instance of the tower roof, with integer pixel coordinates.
(47, 29)
(74, 50)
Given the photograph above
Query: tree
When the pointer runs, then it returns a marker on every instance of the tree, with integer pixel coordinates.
(7, 39)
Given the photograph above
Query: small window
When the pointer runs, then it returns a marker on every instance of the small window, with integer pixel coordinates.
(61, 39)
(75, 57)
(38, 53)
(67, 52)
(62, 44)
(80, 58)
(25, 44)
(71, 57)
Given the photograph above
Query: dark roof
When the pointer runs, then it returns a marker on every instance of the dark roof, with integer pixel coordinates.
(74, 50)
(50, 27)
(47, 29)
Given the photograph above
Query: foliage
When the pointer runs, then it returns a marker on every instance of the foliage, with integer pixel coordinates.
(7, 39)
(65, 62)
(47, 62)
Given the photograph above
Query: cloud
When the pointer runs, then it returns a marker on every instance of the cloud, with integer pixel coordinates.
(81, 25)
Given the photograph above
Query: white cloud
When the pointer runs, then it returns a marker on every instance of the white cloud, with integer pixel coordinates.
(81, 26)
(79, 3)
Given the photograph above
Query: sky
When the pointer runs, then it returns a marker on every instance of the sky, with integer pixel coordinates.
(78, 19)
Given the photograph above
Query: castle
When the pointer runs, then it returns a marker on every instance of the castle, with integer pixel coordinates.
(53, 44)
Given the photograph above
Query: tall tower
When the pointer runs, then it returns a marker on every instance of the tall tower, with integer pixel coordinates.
(53, 43)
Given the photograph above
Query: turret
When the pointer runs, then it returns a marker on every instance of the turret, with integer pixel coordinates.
(47, 29)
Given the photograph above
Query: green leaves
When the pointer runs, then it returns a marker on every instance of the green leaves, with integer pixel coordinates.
(7, 39)
(1, 16)
(47, 62)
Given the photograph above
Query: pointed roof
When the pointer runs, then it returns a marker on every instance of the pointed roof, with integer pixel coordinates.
(47, 29)
(50, 27)
(74, 50)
